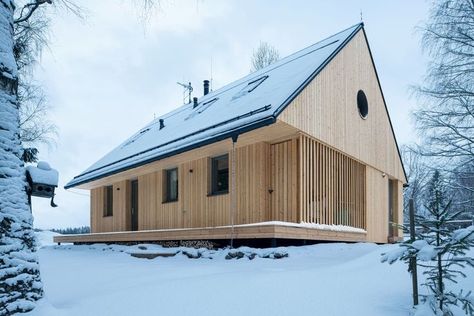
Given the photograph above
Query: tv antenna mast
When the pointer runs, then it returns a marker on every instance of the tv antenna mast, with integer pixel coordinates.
(187, 89)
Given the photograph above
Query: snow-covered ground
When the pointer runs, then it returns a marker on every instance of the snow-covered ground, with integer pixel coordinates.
(323, 279)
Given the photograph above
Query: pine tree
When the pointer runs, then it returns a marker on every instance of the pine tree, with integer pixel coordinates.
(440, 252)
(20, 284)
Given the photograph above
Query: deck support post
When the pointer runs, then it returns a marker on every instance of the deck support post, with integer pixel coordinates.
(273, 243)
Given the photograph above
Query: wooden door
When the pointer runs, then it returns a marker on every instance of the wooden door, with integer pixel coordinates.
(134, 204)
(284, 181)
(391, 210)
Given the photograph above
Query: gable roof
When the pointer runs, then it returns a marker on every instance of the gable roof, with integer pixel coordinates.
(249, 103)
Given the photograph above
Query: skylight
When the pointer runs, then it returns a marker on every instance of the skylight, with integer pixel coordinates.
(136, 136)
(202, 107)
(252, 85)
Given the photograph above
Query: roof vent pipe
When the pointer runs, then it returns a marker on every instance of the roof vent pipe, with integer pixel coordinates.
(195, 102)
(206, 87)
(162, 123)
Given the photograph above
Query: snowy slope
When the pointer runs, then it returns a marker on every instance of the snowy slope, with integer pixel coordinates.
(324, 279)
(232, 109)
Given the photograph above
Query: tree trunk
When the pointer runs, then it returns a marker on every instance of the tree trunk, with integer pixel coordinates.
(440, 283)
(440, 267)
(20, 284)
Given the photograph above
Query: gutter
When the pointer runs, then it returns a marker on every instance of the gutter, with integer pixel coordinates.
(228, 134)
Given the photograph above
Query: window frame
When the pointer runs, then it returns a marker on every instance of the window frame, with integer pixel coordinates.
(362, 104)
(214, 175)
(167, 185)
(108, 210)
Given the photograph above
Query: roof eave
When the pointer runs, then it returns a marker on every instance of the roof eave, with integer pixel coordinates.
(228, 134)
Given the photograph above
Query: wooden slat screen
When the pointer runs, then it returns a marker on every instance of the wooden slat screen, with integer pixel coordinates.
(332, 186)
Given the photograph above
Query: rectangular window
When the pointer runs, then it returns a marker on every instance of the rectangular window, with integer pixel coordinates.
(108, 200)
(170, 186)
(220, 174)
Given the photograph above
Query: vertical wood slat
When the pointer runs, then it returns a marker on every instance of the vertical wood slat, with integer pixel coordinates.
(311, 181)
(332, 186)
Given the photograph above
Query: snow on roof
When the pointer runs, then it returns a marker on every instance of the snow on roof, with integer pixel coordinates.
(43, 174)
(248, 103)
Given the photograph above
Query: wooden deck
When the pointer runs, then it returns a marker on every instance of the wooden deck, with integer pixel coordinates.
(214, 233)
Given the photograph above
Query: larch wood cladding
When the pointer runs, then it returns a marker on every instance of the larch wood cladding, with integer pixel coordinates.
(120, 220)
(252, 179)
(377, 205)
(195, 207)
(308, 181)
(327, 110)
(332, 186)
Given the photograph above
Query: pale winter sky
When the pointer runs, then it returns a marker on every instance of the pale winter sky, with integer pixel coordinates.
(107, 75)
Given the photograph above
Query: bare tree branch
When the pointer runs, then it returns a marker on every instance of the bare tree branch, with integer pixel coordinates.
(264, 55)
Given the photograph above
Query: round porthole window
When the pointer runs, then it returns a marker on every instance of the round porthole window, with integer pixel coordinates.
(362, 104)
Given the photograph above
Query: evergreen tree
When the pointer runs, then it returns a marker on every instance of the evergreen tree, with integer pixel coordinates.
(20, 284)
(440, 252)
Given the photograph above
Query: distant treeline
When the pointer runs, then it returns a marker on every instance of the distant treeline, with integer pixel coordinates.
(73, 230)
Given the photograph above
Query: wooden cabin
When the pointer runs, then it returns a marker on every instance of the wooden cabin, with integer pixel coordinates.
(301, 150)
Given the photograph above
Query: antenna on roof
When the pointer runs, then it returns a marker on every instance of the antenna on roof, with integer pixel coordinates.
(211, 73)
(361, 19)
(187, 88)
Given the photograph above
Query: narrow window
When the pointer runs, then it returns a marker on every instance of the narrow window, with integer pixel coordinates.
(220, 174)
(171, 185)
(109, 200)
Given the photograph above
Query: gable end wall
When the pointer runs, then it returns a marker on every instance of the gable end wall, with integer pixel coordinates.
(327, 110)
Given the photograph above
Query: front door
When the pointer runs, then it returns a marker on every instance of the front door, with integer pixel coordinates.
(284, 181)
(134, 204)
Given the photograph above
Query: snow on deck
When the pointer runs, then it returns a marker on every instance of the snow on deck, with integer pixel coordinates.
(323, 279)
(334, 228)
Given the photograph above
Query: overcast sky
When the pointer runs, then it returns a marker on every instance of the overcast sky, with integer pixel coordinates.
(107, 76)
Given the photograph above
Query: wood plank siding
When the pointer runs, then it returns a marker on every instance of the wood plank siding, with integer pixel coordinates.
(195, 206)
(297, 180)
(284, 181)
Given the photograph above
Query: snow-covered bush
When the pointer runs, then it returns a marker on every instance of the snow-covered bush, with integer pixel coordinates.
(440, 252)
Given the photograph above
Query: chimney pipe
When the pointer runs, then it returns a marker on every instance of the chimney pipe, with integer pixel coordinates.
(162, 123)
(195, 102)
(206, 87)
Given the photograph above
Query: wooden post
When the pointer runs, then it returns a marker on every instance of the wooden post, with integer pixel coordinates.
(233, 197)
(414, 276)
